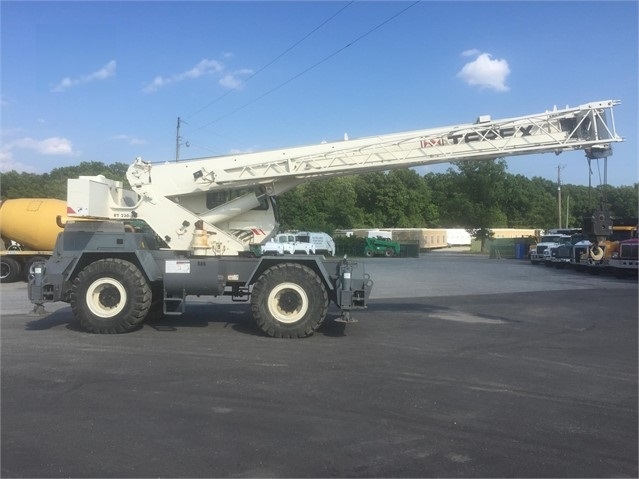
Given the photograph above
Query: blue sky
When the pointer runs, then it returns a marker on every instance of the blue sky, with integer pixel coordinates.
(106, 81)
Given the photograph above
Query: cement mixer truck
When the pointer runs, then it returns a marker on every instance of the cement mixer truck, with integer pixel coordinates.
(29, 229)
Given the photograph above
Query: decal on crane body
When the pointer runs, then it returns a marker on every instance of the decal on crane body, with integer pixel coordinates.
(480, 135)
(491, 134)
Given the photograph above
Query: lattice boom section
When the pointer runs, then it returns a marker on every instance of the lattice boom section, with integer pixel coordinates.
(549, 132)
(569, 129)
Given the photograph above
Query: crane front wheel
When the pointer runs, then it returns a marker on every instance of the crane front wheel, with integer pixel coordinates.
(289, 301)
(110, 296)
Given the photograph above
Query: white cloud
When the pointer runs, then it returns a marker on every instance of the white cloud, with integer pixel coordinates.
(231, 80)
(238, 151)
(131, 140)
(10, 132)
(485, 71)
(103, 73)
(7, 163)
(205, 67)
(156, 84)
(473, 52)
(49, 146)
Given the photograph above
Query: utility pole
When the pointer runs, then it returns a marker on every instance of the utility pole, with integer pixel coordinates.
(559, 167)
(178, 140)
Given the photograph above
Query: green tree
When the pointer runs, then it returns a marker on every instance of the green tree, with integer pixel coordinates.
(541, 211)
(452, 203)
(321, 205)
(478, 195)
(484, 183)
(622, 201)
(20, 185)
(397, 199)
(54, 184)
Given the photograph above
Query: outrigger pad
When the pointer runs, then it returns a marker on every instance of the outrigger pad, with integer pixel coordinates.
(346, 318)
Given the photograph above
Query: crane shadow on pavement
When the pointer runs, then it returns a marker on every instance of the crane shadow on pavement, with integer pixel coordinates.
(238, 316)
(199, 315)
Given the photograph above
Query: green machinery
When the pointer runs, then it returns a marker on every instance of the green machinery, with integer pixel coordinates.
(381, 246)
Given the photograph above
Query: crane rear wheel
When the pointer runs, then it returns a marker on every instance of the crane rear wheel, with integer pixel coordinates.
(110, 296)
(289, 300)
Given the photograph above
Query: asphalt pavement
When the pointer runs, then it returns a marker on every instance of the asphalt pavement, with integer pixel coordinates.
(461, 366)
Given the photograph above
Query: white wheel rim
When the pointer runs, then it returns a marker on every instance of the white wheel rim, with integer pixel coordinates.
(101, 295)
(288, 303)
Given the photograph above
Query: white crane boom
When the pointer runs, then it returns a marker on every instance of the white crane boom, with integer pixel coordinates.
(228, 197)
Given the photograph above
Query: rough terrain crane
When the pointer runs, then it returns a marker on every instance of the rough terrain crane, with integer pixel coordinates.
(187, 227)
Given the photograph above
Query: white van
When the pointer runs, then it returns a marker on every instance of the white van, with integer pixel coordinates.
(324, 244)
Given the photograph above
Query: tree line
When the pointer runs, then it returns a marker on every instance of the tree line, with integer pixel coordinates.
(470, 195)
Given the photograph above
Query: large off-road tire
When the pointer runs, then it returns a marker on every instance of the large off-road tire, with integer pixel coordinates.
(10, 270)
(110, 296)
(289, 300)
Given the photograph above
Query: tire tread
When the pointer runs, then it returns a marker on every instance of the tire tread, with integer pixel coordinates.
(140, 296)
(296, 273)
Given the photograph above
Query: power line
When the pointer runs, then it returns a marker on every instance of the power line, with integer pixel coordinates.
(274, 60)
(315, 65)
